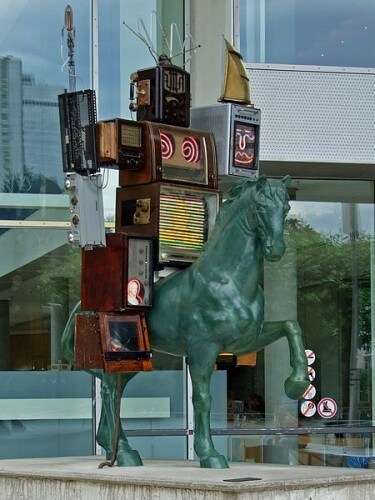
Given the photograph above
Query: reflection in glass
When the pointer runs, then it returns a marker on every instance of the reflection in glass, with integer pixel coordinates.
(31, 77)
(332, 449)
(334, 33)
(325, 281)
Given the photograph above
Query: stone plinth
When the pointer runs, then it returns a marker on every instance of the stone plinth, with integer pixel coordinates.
(80, 479)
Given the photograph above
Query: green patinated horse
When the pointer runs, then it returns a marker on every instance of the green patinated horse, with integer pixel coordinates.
(216, 305)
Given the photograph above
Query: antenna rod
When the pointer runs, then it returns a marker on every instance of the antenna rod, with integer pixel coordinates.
(71, 33)
(187, 51)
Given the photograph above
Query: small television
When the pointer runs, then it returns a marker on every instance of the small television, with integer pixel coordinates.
(162, 94)
(112, 342)
(181, 218)
(146, 152)
(77, 112)
(118, 277)
(236, 130)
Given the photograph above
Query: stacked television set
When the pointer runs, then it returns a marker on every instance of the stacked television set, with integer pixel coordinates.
(166, 202)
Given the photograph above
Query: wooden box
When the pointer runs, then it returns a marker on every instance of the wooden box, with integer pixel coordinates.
(146, 152)
(119, 276)
(180, 217)
(112, 342)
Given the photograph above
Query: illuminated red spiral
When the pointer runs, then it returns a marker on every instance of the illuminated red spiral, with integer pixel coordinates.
(167, 146)
(190, 149)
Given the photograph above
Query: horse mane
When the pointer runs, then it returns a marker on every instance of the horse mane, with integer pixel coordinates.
(231, 196)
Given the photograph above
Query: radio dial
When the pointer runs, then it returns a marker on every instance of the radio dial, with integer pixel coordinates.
(68, 184)
(71, 238)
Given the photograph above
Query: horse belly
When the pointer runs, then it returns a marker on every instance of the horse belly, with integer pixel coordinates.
(164, 322)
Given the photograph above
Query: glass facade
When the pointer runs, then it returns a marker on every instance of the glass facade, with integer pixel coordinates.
(334, 33)
(325, 280)
(46, 408)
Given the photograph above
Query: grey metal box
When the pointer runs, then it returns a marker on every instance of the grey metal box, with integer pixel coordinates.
(225, 121)
(86, 210)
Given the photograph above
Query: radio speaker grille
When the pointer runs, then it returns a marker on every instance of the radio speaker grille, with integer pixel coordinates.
(183, 222)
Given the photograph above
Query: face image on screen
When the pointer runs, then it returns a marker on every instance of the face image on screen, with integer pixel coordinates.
(244, 145)
(123, 336)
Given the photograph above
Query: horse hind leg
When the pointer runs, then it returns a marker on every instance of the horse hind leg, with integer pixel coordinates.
(298, 381)
(126, 456)
(201, 363)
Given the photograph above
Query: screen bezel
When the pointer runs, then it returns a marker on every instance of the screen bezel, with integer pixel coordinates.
(235, 123)
(105, 320)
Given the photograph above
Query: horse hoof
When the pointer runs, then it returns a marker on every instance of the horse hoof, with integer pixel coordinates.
(214, 462)
(129, 458)
(295, 388)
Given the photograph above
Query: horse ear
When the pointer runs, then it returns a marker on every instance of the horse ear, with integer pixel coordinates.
(261, 182)
(286, 180)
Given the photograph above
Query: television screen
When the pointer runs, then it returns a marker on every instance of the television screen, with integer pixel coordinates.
(123, 336)
(184, 156)
(244, 145)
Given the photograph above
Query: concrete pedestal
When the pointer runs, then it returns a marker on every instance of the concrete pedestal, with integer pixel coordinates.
(80, 479)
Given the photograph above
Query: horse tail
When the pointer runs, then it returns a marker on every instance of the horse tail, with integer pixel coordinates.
(67, 339)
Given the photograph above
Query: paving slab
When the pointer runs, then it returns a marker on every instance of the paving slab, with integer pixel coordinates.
(79, 478)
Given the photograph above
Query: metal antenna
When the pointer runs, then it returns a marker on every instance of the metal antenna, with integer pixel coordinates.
(71, 34)
(164, 36)
(147, 35)
(138, 35)
(174, 28)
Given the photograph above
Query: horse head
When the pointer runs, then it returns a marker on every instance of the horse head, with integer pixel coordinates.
(262, 206)
(271, 208)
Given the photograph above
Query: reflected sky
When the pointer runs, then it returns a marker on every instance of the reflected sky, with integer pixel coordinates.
(332, 218)
(31, 31)
(333, 32)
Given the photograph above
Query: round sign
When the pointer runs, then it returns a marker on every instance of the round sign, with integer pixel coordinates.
(310, 392)
(308, 409)
(327, 407)
(310, 355)
(311, 373)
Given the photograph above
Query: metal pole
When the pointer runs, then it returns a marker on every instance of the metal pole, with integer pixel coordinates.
(71, 33)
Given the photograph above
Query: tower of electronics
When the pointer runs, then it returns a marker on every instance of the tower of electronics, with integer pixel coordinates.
(166, 205)
(166, 202)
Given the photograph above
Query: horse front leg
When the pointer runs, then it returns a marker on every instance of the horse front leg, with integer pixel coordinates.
(201, 360)
(298, 381)
(126, 456)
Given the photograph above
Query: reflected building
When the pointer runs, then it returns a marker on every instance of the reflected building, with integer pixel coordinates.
(41, 132)
(11, 140)
(30, 150)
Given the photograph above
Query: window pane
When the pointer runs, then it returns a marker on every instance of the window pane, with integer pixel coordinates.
(31, 62)
(325, 282)
(121, 53)
(45, 410)
(45, 414)
(334, 33)
(333, 449)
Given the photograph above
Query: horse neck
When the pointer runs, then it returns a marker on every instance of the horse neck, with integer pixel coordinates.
(233, 253)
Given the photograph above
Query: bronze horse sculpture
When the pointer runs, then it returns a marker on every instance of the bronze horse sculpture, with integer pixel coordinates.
(216, 305)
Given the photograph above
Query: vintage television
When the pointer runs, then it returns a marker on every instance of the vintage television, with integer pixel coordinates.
(151, 152)
(112, 342)
(180, 217)
(162, 94)
(236, 130)
(77, 112)
(120, 276)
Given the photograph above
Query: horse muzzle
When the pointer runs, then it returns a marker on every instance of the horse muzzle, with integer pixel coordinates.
(274, 252)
